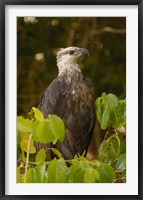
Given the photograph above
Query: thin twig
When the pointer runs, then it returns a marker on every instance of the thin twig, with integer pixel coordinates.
(108, 30)
(27, 157)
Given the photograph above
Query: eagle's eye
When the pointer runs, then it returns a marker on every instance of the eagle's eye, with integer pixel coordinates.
(71, 52)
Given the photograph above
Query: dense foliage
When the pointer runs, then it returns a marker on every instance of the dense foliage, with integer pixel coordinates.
(109, 167)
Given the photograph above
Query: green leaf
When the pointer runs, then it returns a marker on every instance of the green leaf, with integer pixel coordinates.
(24, 142)
(121, 163)
(119, 115)
(110, 149)
(110, 111)
(91, 175)
(95, 163)
(36, 175)
(104, 151)
(24, 125)
(18, 137)
(19, 177)
(50, 130)
(31, 176)
(122, 144)
(38, 114)
(44, 133)
(35, 130)
(57, 126)
(76, 173)
(98, 109)
(40, 171)
(57, 171)
(23, 156)
(105, 118)
(56, 152)
(107, 173)
(41, 156)
(103, 154)
(113, 100)
(104, 97)
(113, 150)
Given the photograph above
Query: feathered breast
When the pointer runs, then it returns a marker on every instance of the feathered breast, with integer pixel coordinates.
(78, 93)
(72, 99)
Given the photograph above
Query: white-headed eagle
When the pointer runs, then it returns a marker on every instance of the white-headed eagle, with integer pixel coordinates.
(71, 97)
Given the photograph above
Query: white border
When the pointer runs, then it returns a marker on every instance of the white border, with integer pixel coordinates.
(131, 187)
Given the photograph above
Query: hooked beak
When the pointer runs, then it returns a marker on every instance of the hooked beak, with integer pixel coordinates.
(84, 51)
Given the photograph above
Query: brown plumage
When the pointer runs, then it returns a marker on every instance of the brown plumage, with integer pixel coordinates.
(71, 97)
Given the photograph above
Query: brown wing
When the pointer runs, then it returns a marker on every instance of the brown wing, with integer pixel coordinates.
(79, 122)
(49, 100)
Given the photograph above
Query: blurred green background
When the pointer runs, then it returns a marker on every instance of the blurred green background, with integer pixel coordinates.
(39, 39)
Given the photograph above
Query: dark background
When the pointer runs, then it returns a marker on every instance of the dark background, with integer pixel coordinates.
(39, 39)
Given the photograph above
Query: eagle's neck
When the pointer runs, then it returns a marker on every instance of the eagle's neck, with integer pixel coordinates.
(68, 69)
(77, 92)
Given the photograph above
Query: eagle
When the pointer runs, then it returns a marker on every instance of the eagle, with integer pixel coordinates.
(71, 97)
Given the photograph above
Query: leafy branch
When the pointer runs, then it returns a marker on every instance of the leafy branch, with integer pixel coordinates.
(109, 167)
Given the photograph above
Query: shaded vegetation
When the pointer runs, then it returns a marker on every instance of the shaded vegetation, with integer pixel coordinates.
(35, 167)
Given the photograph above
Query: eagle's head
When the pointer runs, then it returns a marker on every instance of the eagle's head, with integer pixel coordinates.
(67, 58)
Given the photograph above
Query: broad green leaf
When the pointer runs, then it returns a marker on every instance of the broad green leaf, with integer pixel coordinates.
(115, 122)
(91, 175)
(113, 151)
(40, 171)
(113, 100)
(49, 130)
(103, 154)
(31, 176)
(81, 160)
(57, 127)
(76, 173)
(107, 173)
(119, 115)
(98, 101)
(24, 125)
(24, 142)
(98, 109)
(109, 150)
(41, 156)
(104, 151)
(56, 152)
(105, 118)
(57, 171)
(38, 114)
(44, 132)
(95, 163)
(35, 130)
(121, 163)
